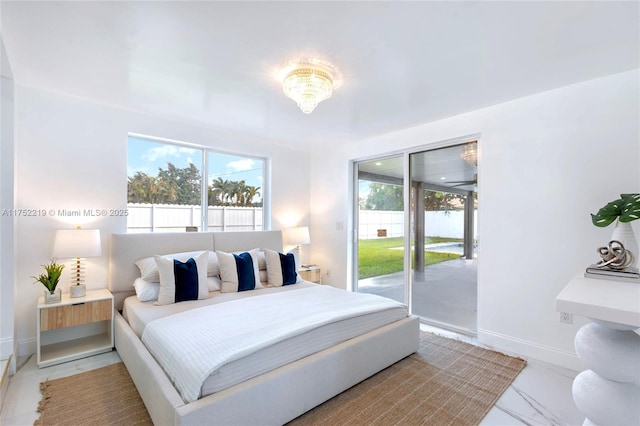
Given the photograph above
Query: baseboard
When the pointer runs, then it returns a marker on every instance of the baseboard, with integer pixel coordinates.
(528, 349)
(27, 346)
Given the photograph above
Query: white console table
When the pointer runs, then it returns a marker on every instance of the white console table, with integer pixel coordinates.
(608, 393)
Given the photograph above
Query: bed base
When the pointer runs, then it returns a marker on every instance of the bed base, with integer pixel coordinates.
(273, 398)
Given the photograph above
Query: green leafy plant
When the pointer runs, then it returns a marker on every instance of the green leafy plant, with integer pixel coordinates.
(625, 209)
(51, 275)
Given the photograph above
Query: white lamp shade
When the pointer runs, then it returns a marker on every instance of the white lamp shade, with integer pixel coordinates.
(72, 243)
(297, 236)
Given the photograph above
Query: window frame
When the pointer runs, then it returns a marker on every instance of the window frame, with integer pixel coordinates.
(204, 176)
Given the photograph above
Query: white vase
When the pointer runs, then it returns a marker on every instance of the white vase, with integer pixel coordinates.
(623, 232)
(52, 297)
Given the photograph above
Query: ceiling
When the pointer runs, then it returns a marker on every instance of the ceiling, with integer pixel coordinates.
(403, 63)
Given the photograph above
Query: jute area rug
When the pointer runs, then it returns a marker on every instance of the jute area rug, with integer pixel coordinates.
(105, 396)
(446, 383)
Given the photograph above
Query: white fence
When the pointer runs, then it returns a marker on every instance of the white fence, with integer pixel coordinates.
(176, 218)
(437, 224)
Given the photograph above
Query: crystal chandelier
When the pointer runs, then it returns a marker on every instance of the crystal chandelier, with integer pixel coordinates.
(308, 83)
(470, 153)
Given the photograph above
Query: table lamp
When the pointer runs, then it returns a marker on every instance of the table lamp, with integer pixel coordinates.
(297, 237)
(79, 244)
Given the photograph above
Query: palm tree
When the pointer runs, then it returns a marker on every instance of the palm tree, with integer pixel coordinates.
(221, 189)
(238, 192)
(250, 193)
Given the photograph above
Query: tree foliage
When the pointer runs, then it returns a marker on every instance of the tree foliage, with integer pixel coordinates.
(383, 197)
(224, 192)
(442, 201)
(390, 198)
(175, 185)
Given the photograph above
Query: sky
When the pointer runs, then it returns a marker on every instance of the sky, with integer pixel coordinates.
(148, 156)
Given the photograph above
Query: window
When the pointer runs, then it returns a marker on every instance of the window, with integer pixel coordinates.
(165, 191)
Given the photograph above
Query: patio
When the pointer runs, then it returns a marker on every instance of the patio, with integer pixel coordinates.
(445, 292)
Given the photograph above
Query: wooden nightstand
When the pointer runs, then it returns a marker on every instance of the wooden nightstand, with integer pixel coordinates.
(74, 328)
(310, 273)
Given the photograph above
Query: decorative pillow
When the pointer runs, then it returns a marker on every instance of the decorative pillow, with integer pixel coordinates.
(214, 283)
(149, 268)
(296, 256)
(180, 281)
(239, 272)
(148, 292)
(145, 290)
(262, 261)
(281, 268)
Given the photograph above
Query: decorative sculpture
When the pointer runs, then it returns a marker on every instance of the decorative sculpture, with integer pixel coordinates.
(615, 256)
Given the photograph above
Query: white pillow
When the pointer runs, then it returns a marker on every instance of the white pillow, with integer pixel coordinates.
(214, 283)
(296, 256)
(233, 282)
(148, 292)
(166, 269)
(149, 269)
(262, 261)
(145, 290)
(281, 268)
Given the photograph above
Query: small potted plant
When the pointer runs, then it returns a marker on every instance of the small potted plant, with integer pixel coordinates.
(626, 209)
(49, 279)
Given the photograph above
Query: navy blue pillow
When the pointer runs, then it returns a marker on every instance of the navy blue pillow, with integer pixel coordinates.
(288, 265)
(244, 267)
(186, 276)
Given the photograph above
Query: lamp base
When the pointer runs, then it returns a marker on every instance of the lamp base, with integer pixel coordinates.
(79, 290)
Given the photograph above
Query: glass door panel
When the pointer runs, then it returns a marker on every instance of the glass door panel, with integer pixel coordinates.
(443, 205)
(379, 251)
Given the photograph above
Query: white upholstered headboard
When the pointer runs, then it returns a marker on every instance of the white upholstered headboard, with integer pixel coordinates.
(125, 249)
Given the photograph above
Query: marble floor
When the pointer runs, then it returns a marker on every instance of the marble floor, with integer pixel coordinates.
(540, 395)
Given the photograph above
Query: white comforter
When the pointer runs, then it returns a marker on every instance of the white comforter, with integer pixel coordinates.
(191, 345)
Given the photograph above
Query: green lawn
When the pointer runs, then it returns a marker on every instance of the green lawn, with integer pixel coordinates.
(376, 257)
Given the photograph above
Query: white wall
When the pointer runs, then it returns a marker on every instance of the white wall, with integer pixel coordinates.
(7, 245)
(546, 162)
(72, 154)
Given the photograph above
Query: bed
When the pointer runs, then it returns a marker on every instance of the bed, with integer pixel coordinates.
(270, 393)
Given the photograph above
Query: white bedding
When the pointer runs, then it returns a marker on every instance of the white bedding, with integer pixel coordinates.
(252, 335)
(138, 314)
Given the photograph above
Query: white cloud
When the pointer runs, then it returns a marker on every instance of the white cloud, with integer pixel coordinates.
(158, 152)
(241, 165)
(144, 169)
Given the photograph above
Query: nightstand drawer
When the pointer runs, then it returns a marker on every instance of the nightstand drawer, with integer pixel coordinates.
(311, 273)
(70, 315)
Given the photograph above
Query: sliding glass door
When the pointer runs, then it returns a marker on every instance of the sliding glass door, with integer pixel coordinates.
(431, 263)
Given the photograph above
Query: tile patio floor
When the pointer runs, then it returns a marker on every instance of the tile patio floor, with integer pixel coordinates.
(445, 292)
